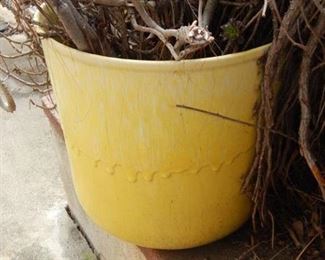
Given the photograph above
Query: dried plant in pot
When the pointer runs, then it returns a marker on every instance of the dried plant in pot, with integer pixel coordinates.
(157, 101)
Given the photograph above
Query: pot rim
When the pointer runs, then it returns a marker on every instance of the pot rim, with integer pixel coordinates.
(150, 65)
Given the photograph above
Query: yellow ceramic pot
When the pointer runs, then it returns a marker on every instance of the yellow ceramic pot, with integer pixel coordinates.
(144, 169)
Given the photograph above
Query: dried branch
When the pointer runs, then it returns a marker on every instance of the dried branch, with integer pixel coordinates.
(69, 21)
(77, 27)
(111, 2)
(170, 47)
(307, 246)
(24, 82)
(191, 38)
(320, 6)
(208, 13)
(119, 3)
(304, 137)
(264, 8)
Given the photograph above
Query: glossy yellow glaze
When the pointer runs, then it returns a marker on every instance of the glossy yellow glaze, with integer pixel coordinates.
(145, 170)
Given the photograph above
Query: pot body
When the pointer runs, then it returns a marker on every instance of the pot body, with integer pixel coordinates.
(145, 170)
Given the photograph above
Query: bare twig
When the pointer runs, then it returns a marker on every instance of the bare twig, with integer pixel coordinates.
(279, 252)
(42, 107)
(294, 238)
(320, 5)
(264, 8)
(27, 83)
(17, 55)
(273, 229)
(306, 246)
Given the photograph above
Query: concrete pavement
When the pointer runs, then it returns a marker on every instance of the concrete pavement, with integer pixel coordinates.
(33, 222)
